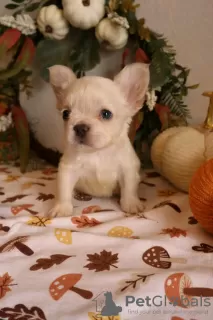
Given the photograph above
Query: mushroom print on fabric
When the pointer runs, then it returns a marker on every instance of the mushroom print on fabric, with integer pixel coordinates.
(120, 232)
(67, 283)
(18, 243)
(158, 257)
(64, 236)
(179, 290)
(205, 248)
(24, 207)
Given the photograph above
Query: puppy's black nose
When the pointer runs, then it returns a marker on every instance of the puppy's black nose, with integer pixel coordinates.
(81, 130)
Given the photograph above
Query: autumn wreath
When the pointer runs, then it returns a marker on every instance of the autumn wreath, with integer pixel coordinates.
(74, 33)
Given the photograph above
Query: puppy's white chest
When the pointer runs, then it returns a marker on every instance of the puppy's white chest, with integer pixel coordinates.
(98, 176)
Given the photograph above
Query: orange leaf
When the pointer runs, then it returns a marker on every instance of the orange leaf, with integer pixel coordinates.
(84, 221)
(174, 232)
(5, 282)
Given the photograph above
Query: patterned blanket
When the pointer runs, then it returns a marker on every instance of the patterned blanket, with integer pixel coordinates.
(101, 263)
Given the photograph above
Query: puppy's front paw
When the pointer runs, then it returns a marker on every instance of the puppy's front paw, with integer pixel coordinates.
(61, 210)
(132, 205)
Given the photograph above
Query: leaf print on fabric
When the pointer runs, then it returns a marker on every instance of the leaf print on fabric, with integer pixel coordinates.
(158, 257)
(21, 312)
(179, 290)
(14, 198)
(120, 231)
(84, 221)
(102, 261)
(47, 263)
(98, 316)
(4, 228)
(11, 178)
(17, 243)
(5, 284)
(64, 235)
(49, 171)
(24, 207)
(192, 220)
(134, 282)
(39, 222)
(206, 248)
(44, 197)
(1, 191)
(82, 196)
(168, 203)
(174, 232)
(65, 283)
(28, 185)
(166, 193)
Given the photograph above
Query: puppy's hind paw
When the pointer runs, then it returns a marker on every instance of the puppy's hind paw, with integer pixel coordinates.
(132, 206)
(61, 210)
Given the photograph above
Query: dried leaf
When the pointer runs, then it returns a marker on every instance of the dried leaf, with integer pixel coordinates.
(129, 6)
(21, 312)
(44, 197)
(14, 198)
(174, 232)
(84, 221)
(5, 283)
(102, 261)
(46, 263)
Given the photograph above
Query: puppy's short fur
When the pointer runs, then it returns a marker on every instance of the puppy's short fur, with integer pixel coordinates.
(98, 156)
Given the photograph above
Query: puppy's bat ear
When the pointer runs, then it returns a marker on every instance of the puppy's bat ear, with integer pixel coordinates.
(133, 81)
(61, 78)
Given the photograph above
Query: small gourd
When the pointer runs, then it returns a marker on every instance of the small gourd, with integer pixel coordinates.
(113, 35)
(178, 152)
(84, 14)
(51, 22)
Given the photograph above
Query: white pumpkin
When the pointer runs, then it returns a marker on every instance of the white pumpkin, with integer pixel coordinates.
(113, 35)
(84, 14)
(178, 152)
(51, 23)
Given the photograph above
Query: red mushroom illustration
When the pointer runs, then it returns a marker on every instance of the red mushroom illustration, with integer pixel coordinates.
(24, 207)
(158, 257)
(18, 243)
(65, 283)
(178, 288)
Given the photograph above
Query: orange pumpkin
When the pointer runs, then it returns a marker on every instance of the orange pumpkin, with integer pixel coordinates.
(201, 195)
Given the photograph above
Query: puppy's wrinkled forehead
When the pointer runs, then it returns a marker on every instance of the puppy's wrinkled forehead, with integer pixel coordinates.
(93, 93)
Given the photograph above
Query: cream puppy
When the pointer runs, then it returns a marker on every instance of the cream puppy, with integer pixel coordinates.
(98, 156)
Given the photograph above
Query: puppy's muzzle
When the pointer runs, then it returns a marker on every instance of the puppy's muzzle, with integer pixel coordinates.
(81, 131)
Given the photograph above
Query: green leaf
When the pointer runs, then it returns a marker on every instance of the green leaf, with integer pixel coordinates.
(50, 52)
(11, 6)
(32, 7)
(194, 86)
(18, 1)
(86, 53)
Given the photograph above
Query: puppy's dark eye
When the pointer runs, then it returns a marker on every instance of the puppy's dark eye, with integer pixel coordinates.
(106, 114)
(66, 114)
